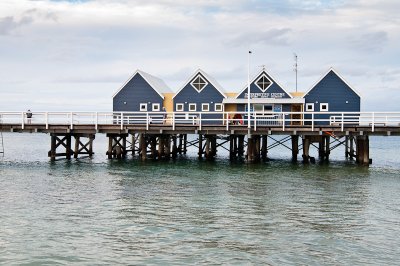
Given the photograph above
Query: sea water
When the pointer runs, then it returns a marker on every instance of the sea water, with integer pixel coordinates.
(98, 211)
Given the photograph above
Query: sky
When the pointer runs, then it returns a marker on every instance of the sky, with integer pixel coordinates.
(74, 55)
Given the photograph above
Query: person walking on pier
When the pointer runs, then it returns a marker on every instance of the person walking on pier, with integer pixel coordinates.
(164, 115)
(29, 116)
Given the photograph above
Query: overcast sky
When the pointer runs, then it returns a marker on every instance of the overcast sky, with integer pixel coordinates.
(73, 55)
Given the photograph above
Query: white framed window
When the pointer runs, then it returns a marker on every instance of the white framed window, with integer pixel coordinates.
(324, 107)
(218, 107)
(192, 107)
(143, 107)
(310, 107)
(205, 107)
(263, 83)
(199, 83)
(179, 107)
(155, 107)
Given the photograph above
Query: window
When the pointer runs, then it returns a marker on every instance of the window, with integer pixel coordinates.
(156, 107)
(192, 107)
(205, 107)
(179, 107)
(324, 107)
(263, 82)
(218, 107)
(309, 107)
(199, 83)
(143, 107)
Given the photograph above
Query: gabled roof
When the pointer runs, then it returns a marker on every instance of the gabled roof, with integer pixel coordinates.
(156, 83)
(209, 79)
(268, 74)
(337, 74)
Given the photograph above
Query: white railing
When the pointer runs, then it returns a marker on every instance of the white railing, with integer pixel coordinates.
(284, 120)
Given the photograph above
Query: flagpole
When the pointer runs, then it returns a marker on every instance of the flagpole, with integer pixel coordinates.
(248, 91)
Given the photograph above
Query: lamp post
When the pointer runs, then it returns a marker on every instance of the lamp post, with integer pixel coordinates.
(248, 91)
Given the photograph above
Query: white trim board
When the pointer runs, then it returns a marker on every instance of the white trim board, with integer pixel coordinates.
(270, 77)
(208, 79)
(153, 81)
(337, 74)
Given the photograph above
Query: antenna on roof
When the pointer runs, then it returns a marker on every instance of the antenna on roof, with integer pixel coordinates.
(263, 67)
(295, 67)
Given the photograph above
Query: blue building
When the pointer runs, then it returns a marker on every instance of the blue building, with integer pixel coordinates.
(331, 93)
(200, 93)
(142, 92)
(267, 96)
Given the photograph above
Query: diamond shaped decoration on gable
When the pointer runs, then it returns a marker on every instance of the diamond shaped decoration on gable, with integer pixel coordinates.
(263, 83)
(199, 83)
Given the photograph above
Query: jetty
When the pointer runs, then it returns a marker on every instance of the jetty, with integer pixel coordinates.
(155, 135)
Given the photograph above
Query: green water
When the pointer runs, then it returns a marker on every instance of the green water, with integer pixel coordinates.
(96, 211)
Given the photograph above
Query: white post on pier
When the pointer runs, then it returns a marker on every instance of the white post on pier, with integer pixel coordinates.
(71, 120)
(122, 121)
(173, 120)
(373, 122)
(22, 120)
(342, 122)
(200, 121)
(283, 122)
(97, 121)
(147, 121)
(312, 122)
(248, 92)
(46, 116)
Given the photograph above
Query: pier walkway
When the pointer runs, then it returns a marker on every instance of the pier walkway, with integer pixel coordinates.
(155, 134)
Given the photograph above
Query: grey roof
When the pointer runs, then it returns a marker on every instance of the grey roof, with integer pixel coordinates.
(156, 83)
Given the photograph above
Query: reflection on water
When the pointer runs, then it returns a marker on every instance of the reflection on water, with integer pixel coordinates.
(94, 211)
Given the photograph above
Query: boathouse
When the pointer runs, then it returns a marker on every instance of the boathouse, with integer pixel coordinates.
(331, 93)
(200, 93)
(143, 92)
(267, 96)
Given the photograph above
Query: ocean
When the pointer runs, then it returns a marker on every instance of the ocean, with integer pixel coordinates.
(99, 211)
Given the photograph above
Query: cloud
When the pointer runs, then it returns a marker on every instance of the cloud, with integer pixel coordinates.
(272, 37)
(8, 24)
(370, 42)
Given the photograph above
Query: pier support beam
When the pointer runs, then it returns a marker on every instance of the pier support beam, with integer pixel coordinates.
(295, 147)
(306, 149)
(116, 146)
(82, 148)
(58, 140)
(200, 153)
(362, 156)
(253, 149)
(211, 146)
(264, 148)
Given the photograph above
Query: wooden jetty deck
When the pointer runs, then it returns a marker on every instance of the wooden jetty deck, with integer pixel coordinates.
(164, 135)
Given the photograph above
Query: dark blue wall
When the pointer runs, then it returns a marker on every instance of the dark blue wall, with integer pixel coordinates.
(274, 88)
(191, 95)
(135, 92)
(334, 91)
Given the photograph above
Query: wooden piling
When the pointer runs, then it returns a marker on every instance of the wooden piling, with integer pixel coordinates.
(295, 147)
(306, 149)
(264, 148)
(200, 153)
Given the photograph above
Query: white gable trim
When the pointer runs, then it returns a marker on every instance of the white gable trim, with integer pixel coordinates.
(134, 74)
(323, 76)
(207, 78)
(273, 81)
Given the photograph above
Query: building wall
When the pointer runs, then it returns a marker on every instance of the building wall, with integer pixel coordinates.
(274, 88)
(334, 91)
(135, 92)
(189, 94)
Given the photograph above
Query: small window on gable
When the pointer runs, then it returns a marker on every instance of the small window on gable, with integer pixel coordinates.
(205, 107)
(156, 107)
(199, 83)
(143, 107)
(324, 107)
(218, 107)
(179, 107)
(310, 107)
(192, 107)
(263, 82)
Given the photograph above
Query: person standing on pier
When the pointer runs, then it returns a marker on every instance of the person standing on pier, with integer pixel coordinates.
(29, 116)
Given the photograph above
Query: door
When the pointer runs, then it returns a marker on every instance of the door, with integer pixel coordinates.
(296, 108)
